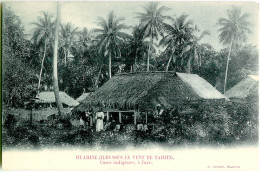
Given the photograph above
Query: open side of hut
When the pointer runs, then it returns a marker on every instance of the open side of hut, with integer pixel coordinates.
(245, 90)
(141, 92)
(49, 98)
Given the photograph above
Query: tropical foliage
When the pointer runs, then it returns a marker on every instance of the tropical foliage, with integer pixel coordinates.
(110, 37)
(68, 38)
(42, 37)
(18, 75)
(178, 33)
(234, 30)
(152, 24)
(88, 58)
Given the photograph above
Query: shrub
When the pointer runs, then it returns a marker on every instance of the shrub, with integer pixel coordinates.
(9, 121)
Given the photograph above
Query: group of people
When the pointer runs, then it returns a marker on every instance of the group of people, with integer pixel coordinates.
(92, 119)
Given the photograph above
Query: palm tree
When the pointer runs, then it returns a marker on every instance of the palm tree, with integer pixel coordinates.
(193, 49)
(55, 62)
(136, 46)
(42, 34)
(85, 37)
(177, 34)
(152, 23)
(234, 29)
(110, 36)
(68, 37)
(83, 43)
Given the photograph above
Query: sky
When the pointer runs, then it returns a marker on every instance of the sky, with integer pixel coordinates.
(84, 14)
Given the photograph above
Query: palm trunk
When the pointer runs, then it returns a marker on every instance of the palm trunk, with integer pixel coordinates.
(228, 58)
(110, 65)
(55, 63)
(148, 58)
(149, 50)
(168, 64)
(40, 77)
(65, 60)
(189, 65)
(136, 56)
(99, 73)
(135, 61)
(199, 60)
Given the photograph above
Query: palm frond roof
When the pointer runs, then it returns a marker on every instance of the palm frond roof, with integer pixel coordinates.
(244, 88)
(82, 97)
(145, 90)
(48, 97)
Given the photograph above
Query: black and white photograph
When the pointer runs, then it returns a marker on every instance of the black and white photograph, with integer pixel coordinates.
(130, 85)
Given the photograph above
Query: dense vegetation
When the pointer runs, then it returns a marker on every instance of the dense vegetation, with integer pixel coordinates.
(222, 124)
(87, 58)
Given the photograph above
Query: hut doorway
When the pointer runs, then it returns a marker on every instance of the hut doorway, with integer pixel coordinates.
(124, 117)
(113, 117)
(127, 117)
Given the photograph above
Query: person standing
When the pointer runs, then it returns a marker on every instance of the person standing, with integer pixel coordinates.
(81, 123)
(99, 120)
(90, 113)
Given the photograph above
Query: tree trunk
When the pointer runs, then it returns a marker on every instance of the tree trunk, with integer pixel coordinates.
(149, 50)
(99, 73)
(168, 64)
(228, 58)
(135, 61)
(110, 65)
(189, 65)
(44, 54)
(148, 58)
(55, 63)
(65, 60)
(199, 55)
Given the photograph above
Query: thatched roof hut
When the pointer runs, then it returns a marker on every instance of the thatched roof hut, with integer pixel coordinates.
(145, 90)
(82, 97)
(49, 97)
(246, 88)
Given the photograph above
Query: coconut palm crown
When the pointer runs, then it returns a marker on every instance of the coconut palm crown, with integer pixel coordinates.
(42, 35)
(152, 23)
(234, 30)
(177, 34)
(67, 38)
(110, 35)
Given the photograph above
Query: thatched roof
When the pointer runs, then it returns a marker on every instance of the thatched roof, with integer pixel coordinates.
(244, 88)
(48, 97)
(145, 90)
(82, 97)
(204, 89)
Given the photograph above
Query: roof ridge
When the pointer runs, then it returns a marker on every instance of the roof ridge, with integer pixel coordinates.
(145, 72)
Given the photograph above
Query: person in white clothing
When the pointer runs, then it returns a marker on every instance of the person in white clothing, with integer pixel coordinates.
(81, 123)
(99, 120)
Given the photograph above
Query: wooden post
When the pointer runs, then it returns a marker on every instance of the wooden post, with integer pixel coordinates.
(90, 121)
(135, 117)
(107, 116)
(146, 117)
(120, 119)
